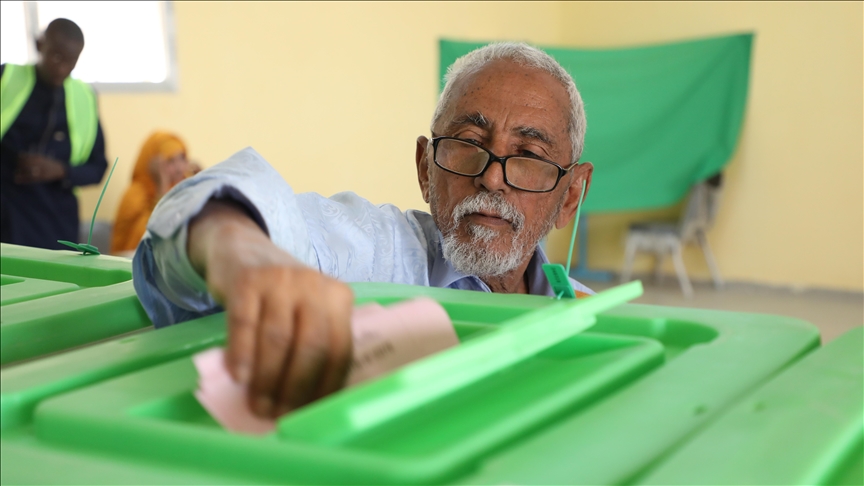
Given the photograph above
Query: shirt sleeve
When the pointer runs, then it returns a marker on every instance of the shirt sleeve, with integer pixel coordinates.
(344, 236)
(170, 290)
(90, 172)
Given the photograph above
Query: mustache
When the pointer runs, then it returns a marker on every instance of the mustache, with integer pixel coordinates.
(489, 203)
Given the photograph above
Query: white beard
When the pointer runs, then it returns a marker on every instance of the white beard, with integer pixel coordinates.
(474, 257)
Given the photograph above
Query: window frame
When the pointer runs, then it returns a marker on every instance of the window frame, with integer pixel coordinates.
(169, 85)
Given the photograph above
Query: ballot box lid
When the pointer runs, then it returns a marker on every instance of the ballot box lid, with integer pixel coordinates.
(57, 300)
(602, 406)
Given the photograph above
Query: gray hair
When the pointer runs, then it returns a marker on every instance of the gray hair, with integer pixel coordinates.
(524, 55)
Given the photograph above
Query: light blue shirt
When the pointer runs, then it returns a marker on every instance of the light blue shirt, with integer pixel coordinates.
(344, 236)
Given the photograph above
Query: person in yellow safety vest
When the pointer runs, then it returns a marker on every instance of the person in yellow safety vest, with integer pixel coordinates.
(51, 140)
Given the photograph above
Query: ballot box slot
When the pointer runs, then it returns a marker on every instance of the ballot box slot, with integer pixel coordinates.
(131, 414)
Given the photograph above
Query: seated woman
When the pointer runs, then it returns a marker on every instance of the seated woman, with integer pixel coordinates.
(161, 164)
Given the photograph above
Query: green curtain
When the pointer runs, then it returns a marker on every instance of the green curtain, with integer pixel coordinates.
(660, 118)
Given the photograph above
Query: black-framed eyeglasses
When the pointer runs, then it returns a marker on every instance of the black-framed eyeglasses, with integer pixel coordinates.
(464, 158)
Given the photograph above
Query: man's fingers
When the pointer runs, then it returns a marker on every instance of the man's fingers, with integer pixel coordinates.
(309, 357)
(25, 179)
(31, 170)
(273, 347)
(289, 336)
(24, 175)
(243, 314)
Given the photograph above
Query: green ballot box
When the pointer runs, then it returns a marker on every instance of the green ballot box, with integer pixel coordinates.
(56, 300)
(538, 391)
(804, 426)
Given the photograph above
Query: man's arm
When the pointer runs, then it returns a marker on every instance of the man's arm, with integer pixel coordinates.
(237, 236)
(289, 334)
(90, 172)
(234, 237)
(35, 168)
(169, 288)
(344, 236)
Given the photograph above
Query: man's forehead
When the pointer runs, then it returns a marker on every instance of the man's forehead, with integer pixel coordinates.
(506, 85)
(478, 119)
(64, 43)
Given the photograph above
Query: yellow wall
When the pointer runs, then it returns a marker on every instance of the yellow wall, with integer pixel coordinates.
(334, 95)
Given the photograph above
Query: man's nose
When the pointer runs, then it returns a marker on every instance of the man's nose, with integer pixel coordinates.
(492, 179)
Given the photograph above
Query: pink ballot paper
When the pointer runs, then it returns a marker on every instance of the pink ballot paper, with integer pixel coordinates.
(385, 338)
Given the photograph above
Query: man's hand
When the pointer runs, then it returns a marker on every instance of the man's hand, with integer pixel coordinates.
(289, 331)
(35, 168)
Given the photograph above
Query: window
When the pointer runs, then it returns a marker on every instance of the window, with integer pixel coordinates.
(129, 46)
(14, 46)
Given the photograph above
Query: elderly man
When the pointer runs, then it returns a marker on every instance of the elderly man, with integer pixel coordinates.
(499, 171)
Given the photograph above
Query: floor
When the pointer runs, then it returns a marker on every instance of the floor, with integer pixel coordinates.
(834, 312)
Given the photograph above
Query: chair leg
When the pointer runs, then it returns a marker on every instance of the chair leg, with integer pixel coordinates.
(658, 269)
(629, 255)
(709, 258)
(678, 260)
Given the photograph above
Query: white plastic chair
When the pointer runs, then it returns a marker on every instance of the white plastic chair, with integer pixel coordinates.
(665, 239)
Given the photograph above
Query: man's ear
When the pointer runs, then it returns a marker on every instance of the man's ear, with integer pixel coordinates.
(581, 172)
(422, 166)
(39, 45)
